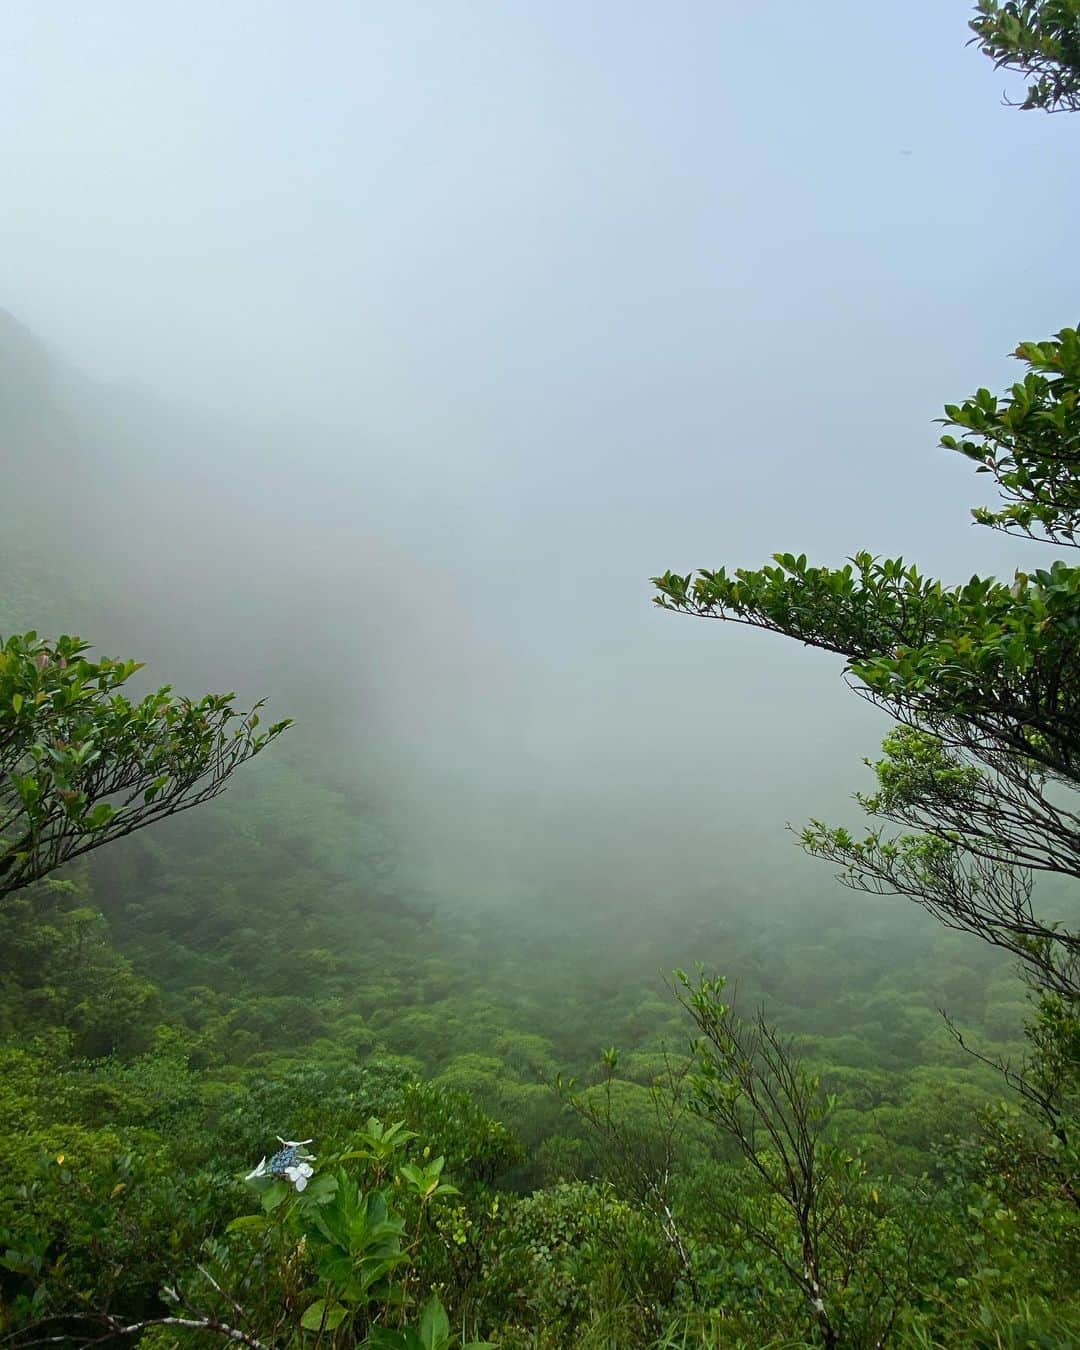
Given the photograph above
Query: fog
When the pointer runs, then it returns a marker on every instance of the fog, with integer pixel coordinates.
(373, 356)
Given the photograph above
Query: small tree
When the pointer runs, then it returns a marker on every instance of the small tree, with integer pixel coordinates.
(641, 1163)
(81, 764)
(841, 1243)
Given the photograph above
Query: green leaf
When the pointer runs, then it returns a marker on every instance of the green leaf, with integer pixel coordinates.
(100, 816)
(323, 1316)
(322, 1189)
(274, 1195)
(434, 1325)
(247, 1223)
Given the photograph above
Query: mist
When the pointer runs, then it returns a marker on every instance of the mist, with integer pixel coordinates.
(375, 356)
(369, 359)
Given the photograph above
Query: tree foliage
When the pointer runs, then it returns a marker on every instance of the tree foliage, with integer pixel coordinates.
(983, 678)
(81, 764)
(1041, 40)
(1030, 441)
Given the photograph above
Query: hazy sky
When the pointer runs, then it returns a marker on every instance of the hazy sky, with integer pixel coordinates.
(534, 299)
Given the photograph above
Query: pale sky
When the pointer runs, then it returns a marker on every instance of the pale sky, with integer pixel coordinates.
(545, 297)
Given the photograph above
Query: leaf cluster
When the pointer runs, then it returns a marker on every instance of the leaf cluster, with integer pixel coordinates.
(81, 764)
(1041, 40)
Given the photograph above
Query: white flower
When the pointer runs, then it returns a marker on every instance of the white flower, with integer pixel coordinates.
(299, 1174)
(259, 1171)
(293, 1143)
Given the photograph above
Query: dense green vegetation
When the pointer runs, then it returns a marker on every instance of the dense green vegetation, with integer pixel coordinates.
(140, 1087)
(262, 1087)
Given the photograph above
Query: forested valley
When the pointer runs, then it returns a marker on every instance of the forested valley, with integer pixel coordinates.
(341, 1057)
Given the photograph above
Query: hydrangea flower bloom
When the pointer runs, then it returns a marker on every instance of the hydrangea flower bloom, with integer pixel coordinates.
(292, 1161)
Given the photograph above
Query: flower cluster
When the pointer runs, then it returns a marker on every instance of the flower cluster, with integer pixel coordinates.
(291, 1161)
